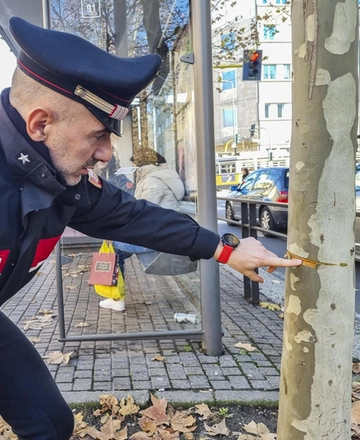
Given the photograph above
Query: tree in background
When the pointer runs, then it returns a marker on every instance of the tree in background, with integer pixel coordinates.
(315, 390)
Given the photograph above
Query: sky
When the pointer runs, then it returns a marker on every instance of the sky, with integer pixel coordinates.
(7, 65)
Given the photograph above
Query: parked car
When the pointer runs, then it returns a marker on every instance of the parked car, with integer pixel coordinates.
(268, 185)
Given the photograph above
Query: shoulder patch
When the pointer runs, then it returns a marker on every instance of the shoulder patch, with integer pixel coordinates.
(94, 179)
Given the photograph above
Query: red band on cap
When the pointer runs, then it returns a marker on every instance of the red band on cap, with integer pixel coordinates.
(42, 79)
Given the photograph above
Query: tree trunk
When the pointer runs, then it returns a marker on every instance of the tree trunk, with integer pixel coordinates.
(315, 389)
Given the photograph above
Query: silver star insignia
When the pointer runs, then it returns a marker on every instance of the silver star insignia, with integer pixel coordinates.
(24, 158)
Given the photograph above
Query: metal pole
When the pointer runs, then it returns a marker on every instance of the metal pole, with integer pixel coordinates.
(139, 336)
(60, 292)
(205, 144)
(46, 14)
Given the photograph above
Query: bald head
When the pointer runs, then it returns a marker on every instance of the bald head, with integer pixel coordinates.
(27, 94)
(75, 138)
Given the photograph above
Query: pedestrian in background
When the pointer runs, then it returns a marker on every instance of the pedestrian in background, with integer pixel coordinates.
(156, 183)
(245, 173)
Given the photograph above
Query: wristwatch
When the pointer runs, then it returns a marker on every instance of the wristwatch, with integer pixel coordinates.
(230, 242)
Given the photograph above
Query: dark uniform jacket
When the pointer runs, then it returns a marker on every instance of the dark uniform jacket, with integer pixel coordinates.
(36, 206)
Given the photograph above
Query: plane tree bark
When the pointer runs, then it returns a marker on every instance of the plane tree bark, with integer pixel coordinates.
(315, 389)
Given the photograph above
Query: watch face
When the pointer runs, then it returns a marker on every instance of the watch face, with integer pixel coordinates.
(231, 240)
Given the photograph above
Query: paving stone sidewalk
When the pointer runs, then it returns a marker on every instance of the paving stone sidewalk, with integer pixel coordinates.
(127, 367)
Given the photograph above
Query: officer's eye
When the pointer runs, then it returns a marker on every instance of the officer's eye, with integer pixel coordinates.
(99, 137)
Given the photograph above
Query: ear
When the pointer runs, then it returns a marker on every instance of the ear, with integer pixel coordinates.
(36, 122)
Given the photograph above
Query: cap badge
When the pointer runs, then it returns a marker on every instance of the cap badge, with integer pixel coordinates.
(114, 111)
(24, 158)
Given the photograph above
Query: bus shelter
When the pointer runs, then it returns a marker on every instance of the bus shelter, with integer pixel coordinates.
(173, 116)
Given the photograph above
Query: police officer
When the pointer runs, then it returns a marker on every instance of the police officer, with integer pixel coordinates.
(67, 97)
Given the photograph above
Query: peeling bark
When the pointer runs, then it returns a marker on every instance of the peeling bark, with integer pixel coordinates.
(315, 390)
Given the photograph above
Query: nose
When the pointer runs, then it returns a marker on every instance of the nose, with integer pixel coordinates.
(103, 153)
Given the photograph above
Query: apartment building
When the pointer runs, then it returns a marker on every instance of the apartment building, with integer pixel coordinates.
(266, 104)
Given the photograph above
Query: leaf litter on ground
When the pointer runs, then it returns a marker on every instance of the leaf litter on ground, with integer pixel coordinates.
(161, 421)
(124, 420)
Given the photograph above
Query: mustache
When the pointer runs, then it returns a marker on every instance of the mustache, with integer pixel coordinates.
(90, 163)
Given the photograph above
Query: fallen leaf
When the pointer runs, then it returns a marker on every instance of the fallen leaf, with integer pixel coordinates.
(270, 306)
(203, 410)
(80, 424)
(182, 422)
(35, 325)
(355, 390)
(128, 406)
(148, 426)
(268, 436)
(167, 434)
(57, 358)
(92, 432)
(247, 347)
(82, 324)
(355, 412)
(355, 432)
(157, 412)
(110, 428)
(105, 418)
(356, 367)
(219, 429)
(45, 312)
(141, 435)
(34, 339)
(258, 429)
(109, 402)
(6, 430)
(158, 358)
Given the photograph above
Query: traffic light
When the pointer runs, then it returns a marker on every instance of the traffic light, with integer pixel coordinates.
(252, 130)
(252, 65)
(236, 139)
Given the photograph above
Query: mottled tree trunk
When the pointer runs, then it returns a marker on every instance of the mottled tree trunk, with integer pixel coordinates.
(315, 390)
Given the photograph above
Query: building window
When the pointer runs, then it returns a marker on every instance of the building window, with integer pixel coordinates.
(269, 71)
(228, 117)
(228, 79)
(228, 41)
(280, 110)
(269, 32)
(277, 111)
(267, 112)
(276, 71)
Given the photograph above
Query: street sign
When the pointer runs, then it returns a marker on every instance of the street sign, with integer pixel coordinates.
(90, 8)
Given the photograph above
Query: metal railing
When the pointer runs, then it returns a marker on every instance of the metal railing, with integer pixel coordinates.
(249, 228)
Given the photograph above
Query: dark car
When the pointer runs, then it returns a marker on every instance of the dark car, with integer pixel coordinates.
(268, 185)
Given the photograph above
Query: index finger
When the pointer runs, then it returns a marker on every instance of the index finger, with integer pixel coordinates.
(281, 262)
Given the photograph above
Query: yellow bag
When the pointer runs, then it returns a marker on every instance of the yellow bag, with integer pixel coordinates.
(116, 291)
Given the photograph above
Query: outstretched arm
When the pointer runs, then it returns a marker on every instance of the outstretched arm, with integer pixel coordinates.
(251, 254)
